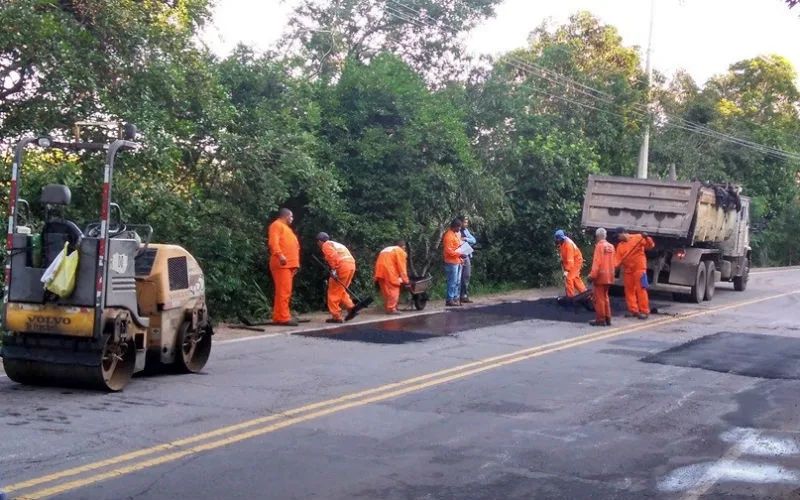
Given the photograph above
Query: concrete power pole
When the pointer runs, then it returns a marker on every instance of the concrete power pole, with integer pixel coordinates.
(644, 151)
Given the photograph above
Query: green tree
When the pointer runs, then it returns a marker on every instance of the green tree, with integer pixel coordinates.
(424, 33)
(405, 157)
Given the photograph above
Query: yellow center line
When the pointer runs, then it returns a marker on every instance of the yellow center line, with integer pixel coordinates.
(262, 420)
(361, 399)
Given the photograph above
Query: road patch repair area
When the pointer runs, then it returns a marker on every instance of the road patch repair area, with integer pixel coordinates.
(746, 354)
(400, 330)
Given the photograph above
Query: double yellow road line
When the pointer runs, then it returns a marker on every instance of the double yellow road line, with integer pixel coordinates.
(145, 458)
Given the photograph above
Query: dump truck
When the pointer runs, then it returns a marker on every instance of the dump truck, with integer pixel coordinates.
(131, 303)
(701, 230)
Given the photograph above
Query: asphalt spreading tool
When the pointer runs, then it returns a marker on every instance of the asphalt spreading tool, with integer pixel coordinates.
(359, 304)
(583, 299)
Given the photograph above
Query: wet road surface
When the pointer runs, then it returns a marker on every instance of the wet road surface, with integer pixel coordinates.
(519, 400)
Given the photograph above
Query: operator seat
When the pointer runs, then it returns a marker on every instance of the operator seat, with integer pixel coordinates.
(57, 230)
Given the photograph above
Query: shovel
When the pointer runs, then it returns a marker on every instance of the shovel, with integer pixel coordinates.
(358, 305)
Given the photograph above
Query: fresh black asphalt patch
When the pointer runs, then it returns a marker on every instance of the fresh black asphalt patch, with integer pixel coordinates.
(747, 354)
(400, 330)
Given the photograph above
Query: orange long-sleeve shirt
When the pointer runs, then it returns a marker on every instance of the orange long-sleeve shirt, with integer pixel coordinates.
(631, 254)
(283, 242)
(603, 264)
(571, 256)
(450, 244)
(337, 255)
(391, 265)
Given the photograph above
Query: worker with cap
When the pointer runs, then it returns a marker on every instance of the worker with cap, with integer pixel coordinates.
(452, 262)
(602, 277)
(342, 269)
(631, 256)
(391, 273)
(284, 262)
(571, 264)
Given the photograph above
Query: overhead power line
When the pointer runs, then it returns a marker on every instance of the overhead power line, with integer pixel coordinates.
(408, 14)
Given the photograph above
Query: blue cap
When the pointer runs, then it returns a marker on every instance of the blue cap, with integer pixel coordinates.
(560, 235)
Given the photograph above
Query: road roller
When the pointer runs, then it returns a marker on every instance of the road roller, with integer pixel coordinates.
(132, 304)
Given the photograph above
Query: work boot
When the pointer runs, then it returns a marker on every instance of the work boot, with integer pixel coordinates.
(450, 303)
(466, 300)
(334, 320)
(643, 316)
(608, 322)
(598, 322)
(631, 315)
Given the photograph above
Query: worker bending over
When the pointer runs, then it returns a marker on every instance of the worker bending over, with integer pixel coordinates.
(571, 263)
(391, 273)
(284, 263)
(342, 269)
(631, 256)
(602, 277)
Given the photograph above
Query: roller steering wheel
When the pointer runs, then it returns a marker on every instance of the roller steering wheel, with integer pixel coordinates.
(93, 230)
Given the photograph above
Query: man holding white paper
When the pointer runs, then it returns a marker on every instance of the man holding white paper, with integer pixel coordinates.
(467, 239)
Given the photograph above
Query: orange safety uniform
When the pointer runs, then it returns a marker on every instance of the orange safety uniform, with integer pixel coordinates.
(282, 242)
(450, 244)
(572, 262)
(340, 260)
(602, 277)
(631, 256)
(390, 273)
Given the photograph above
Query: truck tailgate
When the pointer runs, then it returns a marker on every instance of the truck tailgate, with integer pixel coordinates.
(657, 207)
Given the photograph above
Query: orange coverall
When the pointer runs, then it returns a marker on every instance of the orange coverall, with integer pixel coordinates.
(390, 273)
(282, 242)
(572, 262)
(602, 277)
(631, 256)
(339, 258)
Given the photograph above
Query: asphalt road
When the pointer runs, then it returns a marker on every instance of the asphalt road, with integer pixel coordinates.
(700, 401)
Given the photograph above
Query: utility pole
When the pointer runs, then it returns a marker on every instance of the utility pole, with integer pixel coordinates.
(644, 151)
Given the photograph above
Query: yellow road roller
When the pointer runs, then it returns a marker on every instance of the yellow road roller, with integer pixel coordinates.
(130, 304)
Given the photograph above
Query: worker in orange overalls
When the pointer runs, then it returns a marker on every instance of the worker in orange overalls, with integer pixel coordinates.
(602, 277)
(571, 263)
(631, 256)
(342, 269)
(284, 263)
(391, 273)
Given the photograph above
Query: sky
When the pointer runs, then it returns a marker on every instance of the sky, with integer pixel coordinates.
(701, 36)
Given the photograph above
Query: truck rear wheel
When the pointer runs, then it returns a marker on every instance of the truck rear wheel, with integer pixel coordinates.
(699, 289)
(711, 279)
(740, 282)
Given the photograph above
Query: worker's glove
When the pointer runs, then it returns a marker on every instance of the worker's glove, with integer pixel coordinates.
(282, 260)
(566, 273)
(645, 235)
(333, 274)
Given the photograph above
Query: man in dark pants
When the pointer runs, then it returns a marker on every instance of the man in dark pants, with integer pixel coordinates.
(466, 270)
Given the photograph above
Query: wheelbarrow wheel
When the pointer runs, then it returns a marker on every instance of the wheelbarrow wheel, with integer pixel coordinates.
(420, 301)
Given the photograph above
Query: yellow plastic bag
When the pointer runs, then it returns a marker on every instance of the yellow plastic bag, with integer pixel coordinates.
(63, 282)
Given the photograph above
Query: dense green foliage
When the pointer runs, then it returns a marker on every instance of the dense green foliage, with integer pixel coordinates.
(371, 125)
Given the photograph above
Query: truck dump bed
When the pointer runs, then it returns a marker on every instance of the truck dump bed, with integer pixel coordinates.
(661, 208)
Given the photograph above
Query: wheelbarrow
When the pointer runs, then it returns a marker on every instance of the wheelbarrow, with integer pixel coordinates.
(417, 288)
